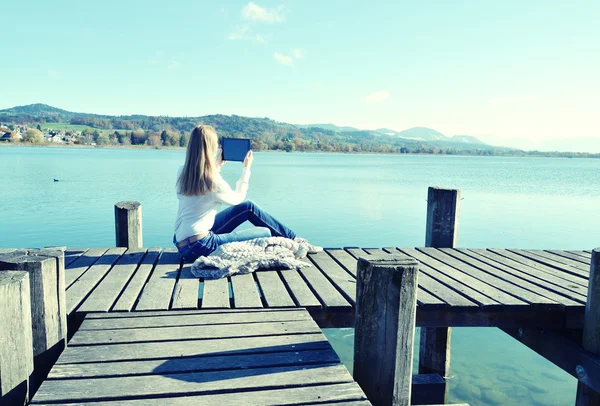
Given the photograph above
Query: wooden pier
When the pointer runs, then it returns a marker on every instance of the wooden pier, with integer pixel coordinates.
(143, 330)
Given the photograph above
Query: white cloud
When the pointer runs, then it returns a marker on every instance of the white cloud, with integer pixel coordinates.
(298, 54)
(283, 59)
(510, 99)
(377, 97)
(243, 32)
(254, 12)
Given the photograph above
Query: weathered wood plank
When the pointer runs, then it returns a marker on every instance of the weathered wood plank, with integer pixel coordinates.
(584, 254)
(7, 250)
(158, 291)
(118, 315)
(190, 383)
(561, 259)
(175, 333)
(328, 295)
(187, 348)
(590, 341)
(105, 294)
(79, 290)
(273, 290)
(552, 277)
(570, 255)
(245, 294)
(128, 224)
(216, 294)
(344, 259)
(539, 286)
(133, 289)
(72, 254)
(338, 276)
(186, 289)
(514, 290)
(340, 393)
(200, 318)
(551, 260)
(299, 290)
(385, 327)
(76, 268)
(199, 364)
(524, 258)
(16, 341)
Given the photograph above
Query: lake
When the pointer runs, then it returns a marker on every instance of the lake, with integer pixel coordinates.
(334, 200)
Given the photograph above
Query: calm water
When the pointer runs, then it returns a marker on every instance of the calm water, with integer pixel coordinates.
(334, 200)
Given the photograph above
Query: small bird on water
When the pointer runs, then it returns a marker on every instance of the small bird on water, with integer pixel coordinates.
(56, 180)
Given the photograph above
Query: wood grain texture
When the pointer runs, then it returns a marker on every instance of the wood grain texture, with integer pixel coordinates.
(328, 295)
(128, 224)
(185, 295)
(574, 256)
(245, 293)
(344, 282)
(216, 294)
(134, 287)
(76, 268)
(273, 289)
(443, 210)
(385, 327)
(344, 259)
(158, 291)
(16, 341)
(301, 293)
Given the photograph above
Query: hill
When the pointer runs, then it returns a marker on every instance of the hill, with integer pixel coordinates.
(266, 134)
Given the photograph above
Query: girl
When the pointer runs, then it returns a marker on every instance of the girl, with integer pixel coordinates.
(201, 191)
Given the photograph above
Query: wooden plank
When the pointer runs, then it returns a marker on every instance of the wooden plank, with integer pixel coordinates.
(493, 258)
(72, 254)
(79, 290)
(245, 294)
(338, 276)
(328, 295)
(515, 290)
(570, 255)
(200, 318)
(558, 259)
(7, 250)
(118, 315)
(455, 289)
(524, 259)
(199, 364)
(344, 259)
(301, 293)
(590, 340)
(175, 333)
(273, 290)
(76, 268)
(340, 393)
(128, 224)
(584, 254)
(106, 293)
(133, 289)
(216, 294)
(64, 390)
(16, 341)
(385, 327)
(186, 289)
(188, 348)
(517, 278)
(158, 291)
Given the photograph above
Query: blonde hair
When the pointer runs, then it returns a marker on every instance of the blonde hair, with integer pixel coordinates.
(197, 177)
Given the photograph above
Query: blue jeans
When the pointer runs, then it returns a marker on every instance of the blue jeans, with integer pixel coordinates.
(227, 221)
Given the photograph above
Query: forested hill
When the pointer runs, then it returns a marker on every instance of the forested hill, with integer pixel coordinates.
(266, 134)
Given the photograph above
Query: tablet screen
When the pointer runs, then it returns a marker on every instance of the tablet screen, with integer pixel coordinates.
(235, 149)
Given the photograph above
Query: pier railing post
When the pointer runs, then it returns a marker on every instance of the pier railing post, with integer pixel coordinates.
(128, 224)
(443, 208)
(591, 330)
(16, 347)
(386, 304)
(45, 268)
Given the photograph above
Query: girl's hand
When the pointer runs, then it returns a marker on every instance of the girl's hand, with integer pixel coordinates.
(248, 160)
(220, 161)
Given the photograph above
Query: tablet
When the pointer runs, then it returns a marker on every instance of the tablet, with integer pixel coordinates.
(235, 149)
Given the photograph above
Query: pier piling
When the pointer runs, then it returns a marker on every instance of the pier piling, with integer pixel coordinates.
(386, 304)
(128, 224)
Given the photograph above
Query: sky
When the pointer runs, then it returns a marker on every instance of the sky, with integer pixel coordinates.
(520, 73)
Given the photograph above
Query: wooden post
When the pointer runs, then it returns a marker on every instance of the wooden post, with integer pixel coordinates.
(443, 208)
(591, 332)
(386, 305)
(16, 347)
(48, 305)
(128, 224)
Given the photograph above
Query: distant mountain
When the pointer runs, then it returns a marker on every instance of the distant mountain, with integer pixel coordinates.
(264, 132)
(330, 127)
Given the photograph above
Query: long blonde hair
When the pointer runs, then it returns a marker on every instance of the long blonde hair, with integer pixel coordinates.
(197, 177)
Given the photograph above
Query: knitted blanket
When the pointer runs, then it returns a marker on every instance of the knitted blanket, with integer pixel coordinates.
(248, 256)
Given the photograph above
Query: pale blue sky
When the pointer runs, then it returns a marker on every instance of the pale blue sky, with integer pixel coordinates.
(511, 72)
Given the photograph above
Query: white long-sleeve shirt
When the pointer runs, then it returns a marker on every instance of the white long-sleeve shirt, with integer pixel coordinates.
(196, 214)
